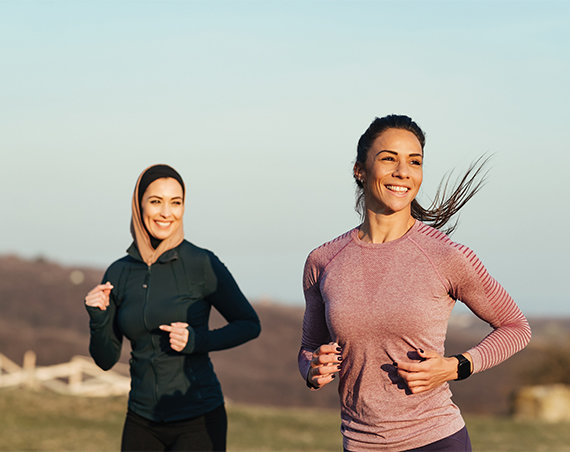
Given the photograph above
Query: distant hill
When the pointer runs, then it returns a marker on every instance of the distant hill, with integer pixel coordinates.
(41, 306)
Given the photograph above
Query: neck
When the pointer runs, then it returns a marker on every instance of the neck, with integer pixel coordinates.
(154, 241)
(382, 228)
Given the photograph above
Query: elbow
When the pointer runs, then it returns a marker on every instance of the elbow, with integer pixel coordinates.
(253, 325)
(104, 364)
(521, 334)
(528, 334)
(255, 329)
(525, 332)
(252, 328)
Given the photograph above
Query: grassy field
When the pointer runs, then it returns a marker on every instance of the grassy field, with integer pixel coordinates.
(33, 421)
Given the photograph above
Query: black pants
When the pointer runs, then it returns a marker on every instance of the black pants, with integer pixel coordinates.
(458, 442)
(203, 433)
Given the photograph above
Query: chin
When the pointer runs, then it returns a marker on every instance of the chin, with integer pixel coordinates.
(161, 235)
(396, 209)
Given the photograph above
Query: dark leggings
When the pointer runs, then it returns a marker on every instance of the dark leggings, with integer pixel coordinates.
(458, 442)
(202, 433)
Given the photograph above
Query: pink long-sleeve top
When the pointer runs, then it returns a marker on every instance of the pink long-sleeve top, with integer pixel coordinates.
(380, 303)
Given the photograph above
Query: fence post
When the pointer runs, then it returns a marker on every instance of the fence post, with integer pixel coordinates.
(29, 366)
(75, 376)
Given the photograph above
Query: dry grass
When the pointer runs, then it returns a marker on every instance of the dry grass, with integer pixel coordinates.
(34, 421)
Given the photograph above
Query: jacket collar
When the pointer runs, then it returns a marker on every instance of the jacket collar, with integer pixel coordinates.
(167, 256)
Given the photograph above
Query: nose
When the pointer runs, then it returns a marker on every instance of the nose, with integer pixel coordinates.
(402, 170)
(165, 210)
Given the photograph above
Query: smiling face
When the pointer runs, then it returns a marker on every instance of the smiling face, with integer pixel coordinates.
(162, 207)
(392, 174)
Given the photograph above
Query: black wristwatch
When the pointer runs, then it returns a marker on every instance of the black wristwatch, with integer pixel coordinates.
(463, 367)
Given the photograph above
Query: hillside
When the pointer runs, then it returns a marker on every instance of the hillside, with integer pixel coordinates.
(42, 309)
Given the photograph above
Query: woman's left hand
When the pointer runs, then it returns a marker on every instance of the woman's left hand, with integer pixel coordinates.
(430, 373)
(178, 334)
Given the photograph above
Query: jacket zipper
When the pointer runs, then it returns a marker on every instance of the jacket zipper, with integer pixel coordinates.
(146, 285)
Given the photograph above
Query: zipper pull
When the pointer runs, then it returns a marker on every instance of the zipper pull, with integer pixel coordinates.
(145, 283)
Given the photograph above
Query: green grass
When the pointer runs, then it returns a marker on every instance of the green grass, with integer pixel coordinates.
(269, 429)
(34, 421)
(505, 434)
(48, 421)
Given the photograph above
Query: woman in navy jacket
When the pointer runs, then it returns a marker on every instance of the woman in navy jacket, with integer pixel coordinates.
(159, 297)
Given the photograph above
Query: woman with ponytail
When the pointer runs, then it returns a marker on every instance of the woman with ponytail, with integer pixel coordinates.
(159, 297)
(379, 297)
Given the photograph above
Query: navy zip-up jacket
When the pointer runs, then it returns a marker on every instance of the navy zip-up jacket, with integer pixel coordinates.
(181, 286)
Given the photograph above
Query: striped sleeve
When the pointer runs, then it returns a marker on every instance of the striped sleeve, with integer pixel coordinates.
(472, 284)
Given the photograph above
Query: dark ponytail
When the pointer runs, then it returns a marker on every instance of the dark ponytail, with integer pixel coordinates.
(443, 207)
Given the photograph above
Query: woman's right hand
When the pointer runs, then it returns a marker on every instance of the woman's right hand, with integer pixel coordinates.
(98, 297)
(325, 363)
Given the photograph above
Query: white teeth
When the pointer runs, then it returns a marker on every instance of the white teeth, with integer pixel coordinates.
(162, 223)
(397, 188)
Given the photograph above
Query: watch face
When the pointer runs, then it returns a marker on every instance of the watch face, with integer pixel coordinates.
(463, 367)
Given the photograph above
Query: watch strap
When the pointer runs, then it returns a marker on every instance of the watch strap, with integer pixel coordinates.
(463, 367)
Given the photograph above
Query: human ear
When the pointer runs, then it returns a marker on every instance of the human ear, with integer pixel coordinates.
(359, 172)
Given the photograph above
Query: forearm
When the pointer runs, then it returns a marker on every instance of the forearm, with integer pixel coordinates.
(304, 361)
(233, 334)
(243, 322)
(490, 302)
(500, 344)
(104, 344)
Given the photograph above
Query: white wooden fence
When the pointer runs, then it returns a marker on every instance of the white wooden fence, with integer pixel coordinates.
(80, 376)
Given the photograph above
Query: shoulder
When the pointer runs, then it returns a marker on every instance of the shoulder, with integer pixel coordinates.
(321, 256)
(189, 247)
(115, 270)
(191, 251)
(438, 244)
(195, 256)
(328, 250)
(203, 262)
(448, 256)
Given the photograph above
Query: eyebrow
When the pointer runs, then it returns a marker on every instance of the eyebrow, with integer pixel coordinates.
(160, 197)
(395, 153)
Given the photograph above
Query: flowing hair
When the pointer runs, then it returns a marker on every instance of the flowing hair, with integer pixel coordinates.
(448, 199)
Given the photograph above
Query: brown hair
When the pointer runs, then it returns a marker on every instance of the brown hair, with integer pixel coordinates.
(444, 207)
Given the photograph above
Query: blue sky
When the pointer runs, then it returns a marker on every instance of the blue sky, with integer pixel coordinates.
(259, 105)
